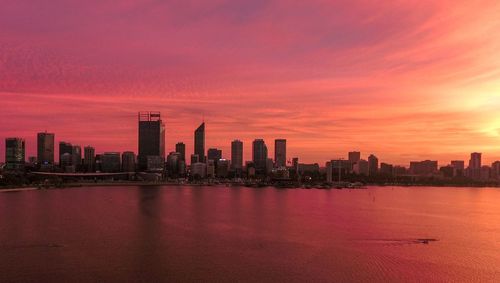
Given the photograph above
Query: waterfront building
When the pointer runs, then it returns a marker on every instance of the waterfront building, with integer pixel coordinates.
(64, 147)
(237, 156)
(372, 165)
(89, 159)
(180, 147)
(128, 161)
(15, 153)
(424, 168)
(280, 152)
(151, 138)
(259, 155)
(199, 142)
(45, 148)
(110, 162)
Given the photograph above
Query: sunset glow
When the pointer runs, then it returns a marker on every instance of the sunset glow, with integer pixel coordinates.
(404, 80)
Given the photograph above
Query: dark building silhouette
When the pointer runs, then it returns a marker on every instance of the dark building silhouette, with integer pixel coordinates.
(259, 155)
(199, 142)
(89, 159)
(15, 153)
(64, 147)
(372, 165)
(237, 155)
(110, 162)
(424, 168)
(128, 161)
(474, 170)
(151, 138)
(76, 154)
(280, 152)
(45, 148)
(214, 154)
(195, 159)
(180, 147)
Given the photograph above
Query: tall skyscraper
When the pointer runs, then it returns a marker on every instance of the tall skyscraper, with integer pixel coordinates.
(76, 154)
(372, 165)
(128, 161)
(237, 155)
(259, 154)
(89, 159)
(65, 147)
(180, 147)
(151, 138)
(45, 148)
(474, 170)
(280, 152)
(199, 142)
(15, 153)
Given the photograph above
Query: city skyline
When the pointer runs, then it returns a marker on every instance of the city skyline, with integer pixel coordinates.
(406, 82)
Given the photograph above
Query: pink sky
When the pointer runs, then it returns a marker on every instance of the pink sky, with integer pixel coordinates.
(405, 80)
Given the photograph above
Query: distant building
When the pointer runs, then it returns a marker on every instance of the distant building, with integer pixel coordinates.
(173, 160)
(280, 152)
(210, 168)
(372, 165)
(447, 171)
(474, 169)
(237, 155)
(151, 138)
(458, 168)
(128, 161)
(354, 156)
(155, 164)
(423, 168)
(386, 169)
(76, 154)
(89, 159)
(180, 147)
(269, 165)
(199, 142)
(214, 154)
(259, 155)
(311, 168)
(222, 168)
(195, 158)
(66, 163)
(399, 171)
(361, 167)
(15, 152)
(495, 170)
(198, 170)
(485, 173)
(45, 148)
(110, 162)
(64, 147)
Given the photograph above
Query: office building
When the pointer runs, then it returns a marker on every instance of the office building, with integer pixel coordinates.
(214, 154)
(128, 161)
(64, 147)
(89, 159)
(173, 160)
(180, 147)
(194, 158)
(386, 169)
(259, 155)
(15, 153)
(361, 167)
(151, 138)
(474, 169)
(198, 170)
(237, 155)
(458, 168)
(280, 152)
(45, 148)
(372, 165)
(423, 168)
(76, 154)
(199, 142)
(222, 168)
(110, 162)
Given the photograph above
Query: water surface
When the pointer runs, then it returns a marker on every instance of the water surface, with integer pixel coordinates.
(241, 234)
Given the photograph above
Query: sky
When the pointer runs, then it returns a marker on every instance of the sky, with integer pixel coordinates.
(404, 80)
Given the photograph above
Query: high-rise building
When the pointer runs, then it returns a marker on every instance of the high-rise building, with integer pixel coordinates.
(110, 162)
(45, 148)
(361, 167)
(259, 154)
(423, 168)
(222, 168)
(180, 147)
(354, 156)
(372, 165)
(199, 142)
(151, 138)
(214, 154)
(195, 158)
(64, 147)
(495, 170)
(15, 153)
(474, 170)
(386, 169)
(237, 155)
(458, 168)
(280, 152)
(89, 159)
(76, 154)
(173, 160)
(128, 161)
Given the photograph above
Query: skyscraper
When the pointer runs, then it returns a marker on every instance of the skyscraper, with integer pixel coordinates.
(372, 165)
(45, 148)
(280, 152)
(199, 142)
(237, 155)
(474, 169)
(89, 159)
(14, 153)
(76, 154)
(354, 156)
(110, 162)
(259, 154)
(151, 137)
(64, 147)
(214, 154)
(180, 147)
